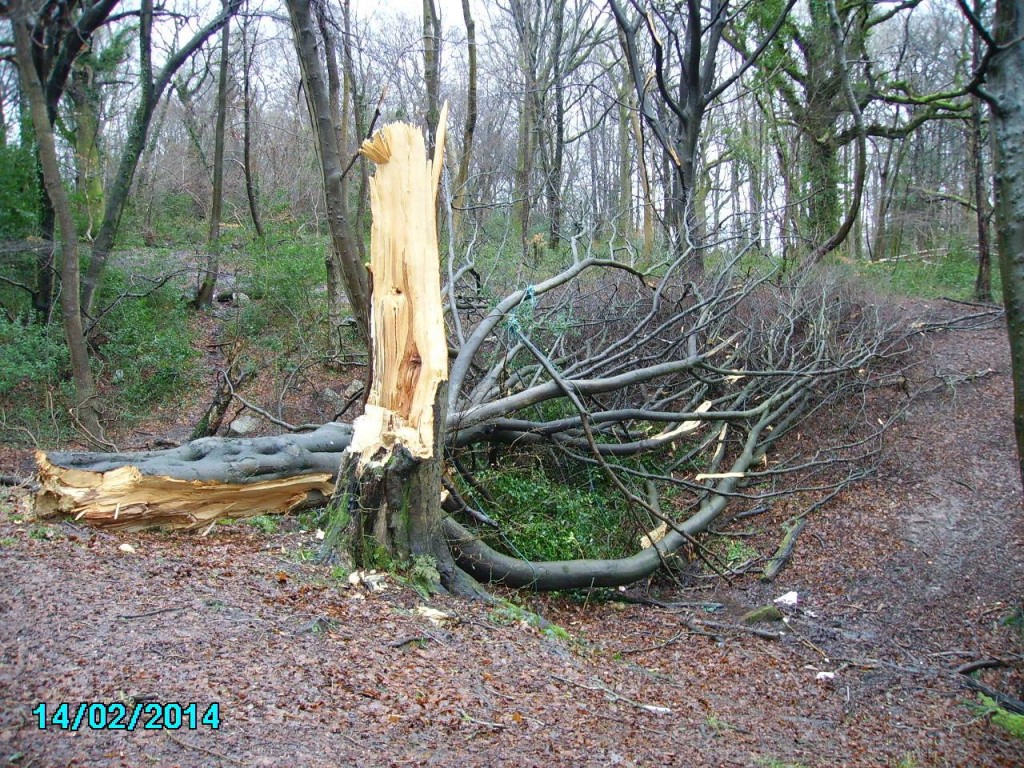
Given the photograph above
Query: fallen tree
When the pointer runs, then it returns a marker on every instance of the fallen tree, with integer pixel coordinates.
(704, 381)
(193, 485)
(672, 388)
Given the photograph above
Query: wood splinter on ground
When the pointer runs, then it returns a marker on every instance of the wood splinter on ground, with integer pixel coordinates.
(193, 485)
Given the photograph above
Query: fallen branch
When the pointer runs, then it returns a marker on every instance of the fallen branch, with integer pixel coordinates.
(1007, 702)
(785, 550)
(195, 484)
(16, 481)
(617, 696)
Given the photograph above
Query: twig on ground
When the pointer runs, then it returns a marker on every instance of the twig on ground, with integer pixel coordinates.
(149, 613)
(486, 723)
(762, 633)
(974, 666)
(1007, 702)
(777, 561)
(617, 696)
(14, 481)
(407, 640)
(657, 647)
(190, 745)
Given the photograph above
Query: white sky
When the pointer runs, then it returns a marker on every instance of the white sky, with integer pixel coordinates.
(451, 10)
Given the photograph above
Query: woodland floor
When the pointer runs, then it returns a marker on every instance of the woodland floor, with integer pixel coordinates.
(901, 579)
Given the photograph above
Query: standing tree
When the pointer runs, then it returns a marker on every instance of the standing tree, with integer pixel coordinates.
(460, 195)
(85, 410)
(60, 34)
(1002, 67)
(684, 44)
(980, 179)
(152, 84)
(251, 191)
(204, 294)
(318, 98)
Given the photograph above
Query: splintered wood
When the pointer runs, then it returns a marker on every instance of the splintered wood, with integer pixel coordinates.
(410, 352)
(125, 499)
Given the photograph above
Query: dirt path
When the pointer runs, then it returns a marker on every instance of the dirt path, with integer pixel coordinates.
(901, 580)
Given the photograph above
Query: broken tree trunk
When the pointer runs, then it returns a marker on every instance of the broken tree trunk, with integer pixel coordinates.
(193, 485)
(390, 478)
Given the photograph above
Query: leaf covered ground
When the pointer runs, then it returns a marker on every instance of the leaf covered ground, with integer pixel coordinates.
(900, 580)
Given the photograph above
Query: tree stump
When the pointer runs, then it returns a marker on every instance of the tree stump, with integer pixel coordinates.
(390, 478)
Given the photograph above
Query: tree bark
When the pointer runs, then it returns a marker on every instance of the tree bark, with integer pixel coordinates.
(343, 239)
(336, 101)
(207, 286)
(150, 92)
(191, 486)
(1006, 89)
(432, 67)
(251, 193)
(85, 389)
(461, 191)
(88, 159)
(975, 143)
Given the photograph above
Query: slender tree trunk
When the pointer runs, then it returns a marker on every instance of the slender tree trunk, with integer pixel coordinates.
(878, 248)
(138, 129)
(88, 160)
(757, 173)
(983, 282)
(431, 67)
(553, 177)
(186, 93)
(343, 239)
(335, 99)
(975, 144)
(1006, 85)
(624, 156)
(251, 191)
(645, 187)
(204, 296)
(85, 390)
(359, 121)
(524, 167)
(42, 297)
(461, 193)
(148, 174)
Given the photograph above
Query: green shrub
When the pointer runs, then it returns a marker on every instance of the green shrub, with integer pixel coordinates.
(950, 274)
(141, 354)
(30, 354)
(285, 277)
(265, 523)
(149, 342)
(19, 193)
(547, 519)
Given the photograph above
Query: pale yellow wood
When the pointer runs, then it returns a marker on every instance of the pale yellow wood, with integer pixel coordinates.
(410, 351)
(125, 499)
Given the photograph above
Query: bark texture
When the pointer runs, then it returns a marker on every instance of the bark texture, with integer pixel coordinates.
(315, 83)
(208, 282)
(1006, 81)
(191, 486)
(85, 390)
